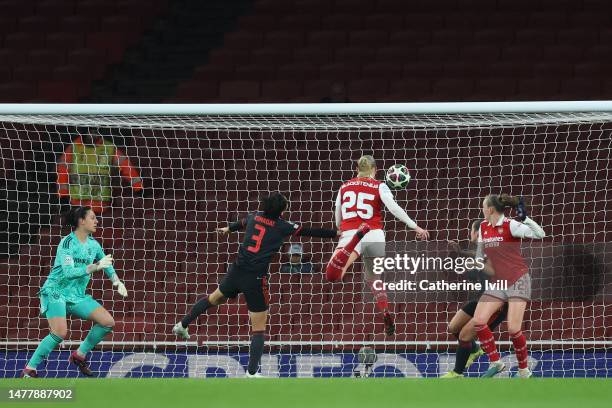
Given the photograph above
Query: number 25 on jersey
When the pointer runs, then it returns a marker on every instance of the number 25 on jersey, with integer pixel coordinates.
(357, 204)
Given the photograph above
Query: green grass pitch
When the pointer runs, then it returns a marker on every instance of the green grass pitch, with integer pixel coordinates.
(322, 392)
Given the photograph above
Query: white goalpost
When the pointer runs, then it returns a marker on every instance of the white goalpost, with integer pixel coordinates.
(203, 166)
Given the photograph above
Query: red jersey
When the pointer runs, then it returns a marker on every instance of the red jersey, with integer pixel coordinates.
(359, 201)
(503, 250)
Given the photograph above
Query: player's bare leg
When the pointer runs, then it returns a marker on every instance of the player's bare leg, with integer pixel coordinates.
(214, 299)
(258, 330)
(516, 310)
(485, 309)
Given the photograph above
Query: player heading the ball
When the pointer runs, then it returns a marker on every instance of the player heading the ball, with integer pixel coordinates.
(265, 232)
(358, 215)
(79, 255)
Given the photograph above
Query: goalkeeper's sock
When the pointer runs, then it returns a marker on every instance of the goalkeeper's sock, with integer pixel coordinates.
(334, 268)
(46, 346)
(95, 335)
(487, 342)
(256, 350)
(463, 354)
(200, 307)
(520, 348)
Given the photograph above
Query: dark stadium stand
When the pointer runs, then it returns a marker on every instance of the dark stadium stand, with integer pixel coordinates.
(52, 50)
(473, 51)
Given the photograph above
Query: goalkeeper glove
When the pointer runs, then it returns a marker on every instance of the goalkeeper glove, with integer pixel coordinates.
(101, 264)
(521, 210)
(105, 262)
(120, 288)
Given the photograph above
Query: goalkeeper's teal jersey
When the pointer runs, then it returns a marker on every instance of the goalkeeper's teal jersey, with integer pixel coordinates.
(69, 276)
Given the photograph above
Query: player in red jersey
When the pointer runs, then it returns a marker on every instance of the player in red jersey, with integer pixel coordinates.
(359, 217)
(499, 239)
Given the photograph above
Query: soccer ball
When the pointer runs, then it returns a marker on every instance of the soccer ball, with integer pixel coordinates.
(397, 176)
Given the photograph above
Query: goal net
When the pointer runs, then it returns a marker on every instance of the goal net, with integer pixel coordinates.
(201, 171)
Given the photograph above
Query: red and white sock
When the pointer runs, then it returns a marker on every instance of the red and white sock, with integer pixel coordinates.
(520, 348)
(333, 271)
(380, 296)
(487, 342)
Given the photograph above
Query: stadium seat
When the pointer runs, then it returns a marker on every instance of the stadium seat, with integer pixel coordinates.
(64, 41)
(243, 40)
(387, 70)
(238, 91)
(284, 39)
(255, 72)
(552, 69)
(582, 88)
(55, 8)
(410, 38)
(298, 71)
(479, 53)
(313, 55)
(346, 21)
(280, 90)
(367, 38)
(38, 24)
(340, 71)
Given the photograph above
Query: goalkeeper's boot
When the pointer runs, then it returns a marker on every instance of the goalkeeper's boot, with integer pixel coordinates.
(495, 368)
(389, 324)
(473, 357)
(29, 373)
(81, 363)
(256, 375)
(524, 373)
(452, 374)
(181, 331)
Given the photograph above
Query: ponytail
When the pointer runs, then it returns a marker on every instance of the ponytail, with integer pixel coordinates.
(72, 217)
(502, 201)
(365, 165)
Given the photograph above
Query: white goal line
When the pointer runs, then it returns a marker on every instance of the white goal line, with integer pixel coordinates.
(305, 108)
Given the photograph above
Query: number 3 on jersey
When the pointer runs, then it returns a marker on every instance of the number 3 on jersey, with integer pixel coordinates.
(261, 231)
(357, 204)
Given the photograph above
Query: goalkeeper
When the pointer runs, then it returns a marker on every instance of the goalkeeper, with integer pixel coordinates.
(78, 256)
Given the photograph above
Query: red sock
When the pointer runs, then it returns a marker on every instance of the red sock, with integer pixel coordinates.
(520, 348)
(382, 302)
(333, 271)
(487, 342)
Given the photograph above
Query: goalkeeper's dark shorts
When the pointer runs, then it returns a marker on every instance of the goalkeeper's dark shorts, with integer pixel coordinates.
(252, 284)
(495, 320)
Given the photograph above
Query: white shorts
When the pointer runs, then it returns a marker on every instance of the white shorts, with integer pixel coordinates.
(372, 244)
(519, 289)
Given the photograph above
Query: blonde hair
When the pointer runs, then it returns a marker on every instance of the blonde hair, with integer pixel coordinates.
(500, 202)
(365, 165)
